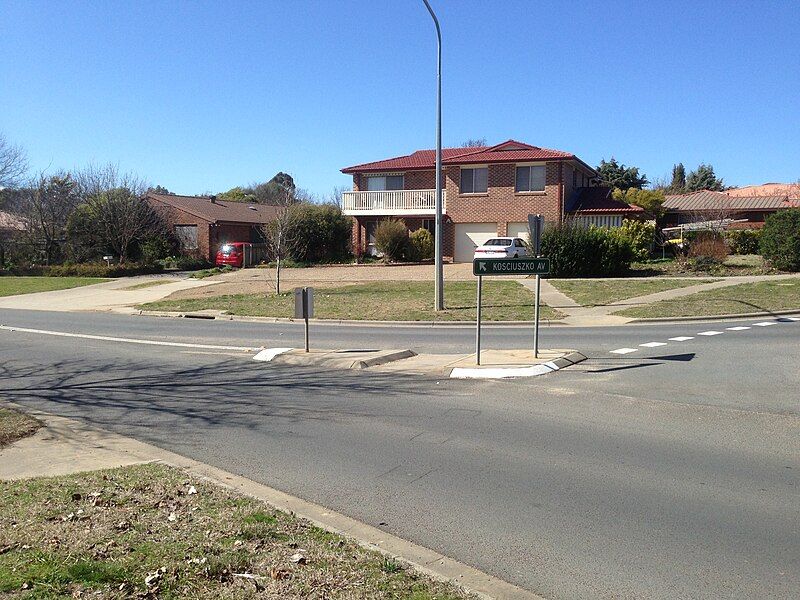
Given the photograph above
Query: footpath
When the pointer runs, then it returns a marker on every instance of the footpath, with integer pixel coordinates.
(602, 315)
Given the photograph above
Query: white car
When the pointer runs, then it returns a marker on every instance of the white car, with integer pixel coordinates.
(504, 247)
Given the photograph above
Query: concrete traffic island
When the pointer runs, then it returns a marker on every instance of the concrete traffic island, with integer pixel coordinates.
(495, 364)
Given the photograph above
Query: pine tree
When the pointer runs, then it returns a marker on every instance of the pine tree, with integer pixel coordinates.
(703, 178)
(678, 185)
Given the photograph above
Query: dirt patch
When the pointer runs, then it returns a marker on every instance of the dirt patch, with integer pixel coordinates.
(150, 531)
(15, 425)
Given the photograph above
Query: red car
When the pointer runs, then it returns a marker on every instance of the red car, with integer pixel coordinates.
(231, 254)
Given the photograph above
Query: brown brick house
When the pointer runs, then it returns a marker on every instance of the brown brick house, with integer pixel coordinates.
(202, 223)
(488, 191)
(750, 212)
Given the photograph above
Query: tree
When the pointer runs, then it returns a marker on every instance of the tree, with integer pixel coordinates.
(273, 192)
(278, 234)
(650, 200)
(160, 190)
(236, 194)
(474, 143)
(46, 204)
(118, 220)
(780, 239)
(617, 175)
(703, 178)
(13, 163)
(678, 183)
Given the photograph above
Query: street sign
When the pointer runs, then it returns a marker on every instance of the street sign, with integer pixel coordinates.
(483, 267)
(304, 307)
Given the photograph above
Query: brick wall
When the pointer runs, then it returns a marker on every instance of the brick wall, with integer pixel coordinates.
(174, 216)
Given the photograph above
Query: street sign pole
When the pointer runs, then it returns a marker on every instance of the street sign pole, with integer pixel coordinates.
(536, 319)
(478, 323)
(304, 308)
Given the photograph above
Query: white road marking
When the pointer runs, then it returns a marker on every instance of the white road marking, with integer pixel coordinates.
(712, 332)
(106, 338)
(739, 328)
(765, 323)
(268, 354)
(623, 350)
(793, 318)
(653, 344)
(682, 338)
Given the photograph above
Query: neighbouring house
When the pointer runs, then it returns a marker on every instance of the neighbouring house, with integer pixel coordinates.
(486, 191)
(746, 212)
(202, 224)
(790, 190)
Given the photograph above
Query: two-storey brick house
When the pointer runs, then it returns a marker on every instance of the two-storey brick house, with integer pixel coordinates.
(487, 191)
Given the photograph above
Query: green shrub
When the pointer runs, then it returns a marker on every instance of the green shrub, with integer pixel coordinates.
(640, 235)
(577, 252)
(420, 245)
(743, 241)
(780, 240)
(391, 238)
(156, 247)
(319, 233)
(92, 270)
(191, 263)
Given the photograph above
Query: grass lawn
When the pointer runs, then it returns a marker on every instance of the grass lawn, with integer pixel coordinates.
(393, 301)
(735, 264)
(745, 298)
(15, 425)
(150, 531)
(11, 285)
(594, 292)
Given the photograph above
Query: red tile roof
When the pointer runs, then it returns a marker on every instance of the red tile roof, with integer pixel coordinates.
(597, 201)
(508, 151)
(218, 211)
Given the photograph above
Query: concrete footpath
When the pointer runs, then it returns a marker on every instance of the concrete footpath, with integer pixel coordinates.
(65, 446)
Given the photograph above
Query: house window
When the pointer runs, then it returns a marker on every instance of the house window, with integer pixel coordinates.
(474, 181)
(380, 183)
(530, 179)
(430, 225)
(187, 236)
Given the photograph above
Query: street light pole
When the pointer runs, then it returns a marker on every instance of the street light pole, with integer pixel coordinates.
(438, 288)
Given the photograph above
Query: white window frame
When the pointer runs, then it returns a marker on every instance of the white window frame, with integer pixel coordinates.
(472, 168)
(384, 176)
(522, 165)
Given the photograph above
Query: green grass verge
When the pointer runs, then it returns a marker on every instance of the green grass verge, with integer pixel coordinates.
(15, 425)
(600, 292)
(150, 531)
(11, 285)
(763, 296)
(391, 301)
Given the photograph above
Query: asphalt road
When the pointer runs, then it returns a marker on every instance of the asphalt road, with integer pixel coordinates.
(669, 472)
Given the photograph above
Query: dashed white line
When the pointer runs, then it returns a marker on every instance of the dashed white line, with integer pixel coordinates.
(738, 328)
(682, 338)
(793, 318)
(712, 332)
(765, 323)
(623, 350)
(653, 344)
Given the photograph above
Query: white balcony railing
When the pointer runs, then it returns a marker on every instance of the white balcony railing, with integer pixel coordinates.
(394, 202)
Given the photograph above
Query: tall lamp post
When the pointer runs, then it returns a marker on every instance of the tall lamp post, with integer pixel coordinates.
(438, 288)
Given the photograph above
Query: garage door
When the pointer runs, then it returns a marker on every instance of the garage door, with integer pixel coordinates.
(469, 236)
(519, 230)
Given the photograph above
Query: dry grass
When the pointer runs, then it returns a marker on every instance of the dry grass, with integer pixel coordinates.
(764, 296)
(601, 292)
(143, 532)
(393, 301)
(15, 425)
(147, 284)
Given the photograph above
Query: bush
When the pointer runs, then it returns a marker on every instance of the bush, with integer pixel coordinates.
(577, 252)
(321, 233)
(156, 247)
(710, 246)
(743, 241)
(780, 240)
(90, 270)
(391, 238)
(420, 245)
(640, 235)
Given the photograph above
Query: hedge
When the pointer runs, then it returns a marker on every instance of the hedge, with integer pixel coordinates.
(577, 252)
(780, 240)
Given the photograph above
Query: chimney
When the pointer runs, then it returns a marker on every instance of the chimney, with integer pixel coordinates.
(213, 199)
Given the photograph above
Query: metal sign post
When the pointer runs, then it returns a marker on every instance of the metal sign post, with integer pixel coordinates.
(536, 318)
(478, 323)
(536, 225)
(304, 307)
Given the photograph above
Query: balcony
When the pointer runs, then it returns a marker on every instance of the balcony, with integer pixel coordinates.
(393, 202)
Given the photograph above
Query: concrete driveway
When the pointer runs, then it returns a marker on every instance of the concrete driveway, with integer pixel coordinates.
(118, 293)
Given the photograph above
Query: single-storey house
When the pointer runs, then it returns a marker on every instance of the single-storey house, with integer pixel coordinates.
(487, 191)
(202, 223)
(707, 205)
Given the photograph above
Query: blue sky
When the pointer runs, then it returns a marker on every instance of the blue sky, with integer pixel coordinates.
(203, 96)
